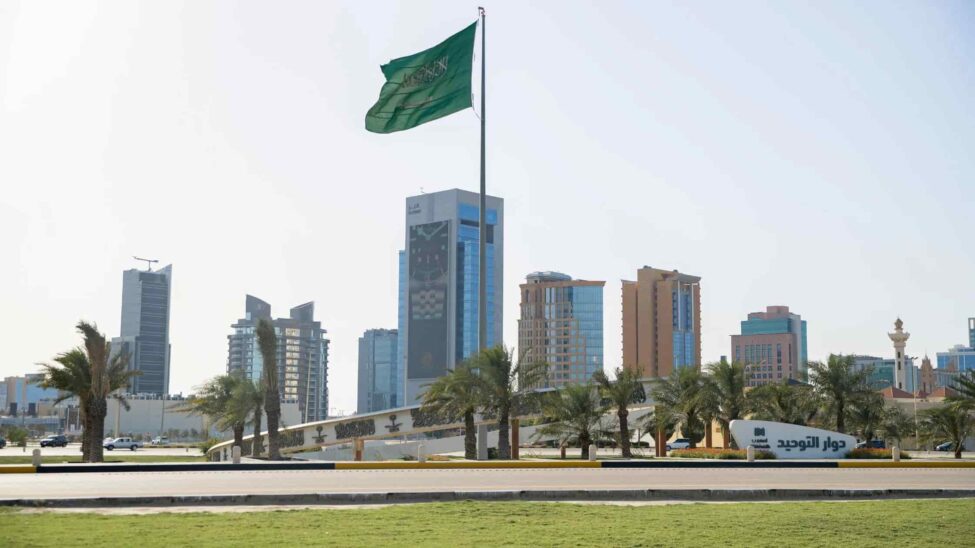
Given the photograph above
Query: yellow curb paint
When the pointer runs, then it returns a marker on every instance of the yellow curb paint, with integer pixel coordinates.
(17, 469)
(447, 465)
(907, 464)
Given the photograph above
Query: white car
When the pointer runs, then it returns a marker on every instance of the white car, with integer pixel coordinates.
(121, 443)
(159, 440)
(679, 443)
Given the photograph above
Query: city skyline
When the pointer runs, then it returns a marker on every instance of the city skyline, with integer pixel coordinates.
(706, 137)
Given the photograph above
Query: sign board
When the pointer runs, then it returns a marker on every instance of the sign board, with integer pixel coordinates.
(791, 441)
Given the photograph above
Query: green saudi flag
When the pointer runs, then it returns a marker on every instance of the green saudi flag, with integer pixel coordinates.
(425, 86)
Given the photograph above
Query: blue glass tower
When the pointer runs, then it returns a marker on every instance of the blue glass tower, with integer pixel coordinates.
(439, 284)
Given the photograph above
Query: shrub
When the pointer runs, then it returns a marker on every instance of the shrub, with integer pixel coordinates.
(206, 445)
(866, 453)
(722, 454)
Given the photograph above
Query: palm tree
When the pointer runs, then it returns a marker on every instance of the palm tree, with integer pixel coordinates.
(226, 400)
(71, 377)
(867, 416)
(950, 423)
(501, 378)
(267, 341)
(896, 424)
(455, 396)
(92, 374)
(681, 398)
(782, 402)
(725, 390)
(839, 385)
(257, 406)
(622, 392)
(574, 413)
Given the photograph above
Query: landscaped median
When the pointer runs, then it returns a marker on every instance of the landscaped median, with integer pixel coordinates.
(707, 462)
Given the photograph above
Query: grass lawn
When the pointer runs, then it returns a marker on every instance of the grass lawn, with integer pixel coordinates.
(125, 457)
(820, 524)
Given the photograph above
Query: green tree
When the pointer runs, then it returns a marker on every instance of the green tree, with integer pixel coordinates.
(724, 393)
(620, 393)
(501, 378)
(948, 422)
(681, 398)
(839, 386)
(896, 425)
(267, 341)
(573, 415)
(257, 406)
(783, 402)
(92, 374)
(455, 396)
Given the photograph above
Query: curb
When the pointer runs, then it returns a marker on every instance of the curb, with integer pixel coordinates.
(715, 495)
(465, 465)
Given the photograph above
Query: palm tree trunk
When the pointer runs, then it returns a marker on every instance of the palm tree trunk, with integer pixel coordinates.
(504, 443)
(584, 442)
(97, 409)
(725, 435)
(708, 434)
(470, 436)
(623, 415)
(272, 406)
(257, 442)
(85, 434)
(840, 419)
(958, 447)
(239, 434)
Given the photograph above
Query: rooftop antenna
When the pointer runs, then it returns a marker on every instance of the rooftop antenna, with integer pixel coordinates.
(148, 262)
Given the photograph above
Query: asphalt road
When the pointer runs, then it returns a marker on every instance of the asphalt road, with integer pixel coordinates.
(358, 481)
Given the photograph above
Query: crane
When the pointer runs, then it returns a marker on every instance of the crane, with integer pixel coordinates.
(148, 262)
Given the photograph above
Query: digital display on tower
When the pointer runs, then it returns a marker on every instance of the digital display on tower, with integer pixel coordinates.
(428, 267)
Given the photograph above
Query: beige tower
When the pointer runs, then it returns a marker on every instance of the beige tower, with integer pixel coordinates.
(899, 337)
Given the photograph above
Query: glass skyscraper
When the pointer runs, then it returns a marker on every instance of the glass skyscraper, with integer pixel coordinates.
(561, 325)
(439, 277)
(302, 355)
(145, 328)
(378, 364)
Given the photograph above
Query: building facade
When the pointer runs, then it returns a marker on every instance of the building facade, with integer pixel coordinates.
(772, 346)
(661, 322)
(561, 325)
(960, 357)
(377, 381)
(441, 260)
(21, 396)
(145, 328)
(302, 355)
(971, 332)
(883, 372)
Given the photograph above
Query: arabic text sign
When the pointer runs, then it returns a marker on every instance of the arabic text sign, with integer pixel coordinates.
(790, 441)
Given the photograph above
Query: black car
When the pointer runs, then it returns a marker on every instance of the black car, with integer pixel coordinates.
(872, 444)
(3, 442)
(54, 441)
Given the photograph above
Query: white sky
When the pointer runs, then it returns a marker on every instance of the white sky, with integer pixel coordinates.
(813, 155)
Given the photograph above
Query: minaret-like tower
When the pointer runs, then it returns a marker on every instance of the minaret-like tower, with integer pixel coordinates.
(899, 336)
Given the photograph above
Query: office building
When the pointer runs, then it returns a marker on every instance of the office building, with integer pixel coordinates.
(883, 372)
(561, 325)
(145, 328)
(302, 355)
(959, 357)
(661, 322)
(22, 395)
(442, 283)
(378, 359)
(971, 332)
(772, 345)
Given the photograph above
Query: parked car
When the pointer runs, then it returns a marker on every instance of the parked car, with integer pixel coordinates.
(3, 442)
(679, 443)
(872, 444)
(946, 446)
(122, 443)
(54, 441)
(159, 440)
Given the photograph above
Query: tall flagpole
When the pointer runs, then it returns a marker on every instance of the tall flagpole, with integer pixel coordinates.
(482, 227)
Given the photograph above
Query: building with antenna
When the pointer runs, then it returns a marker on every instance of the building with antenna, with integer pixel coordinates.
(144, 331)
(302, 355)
